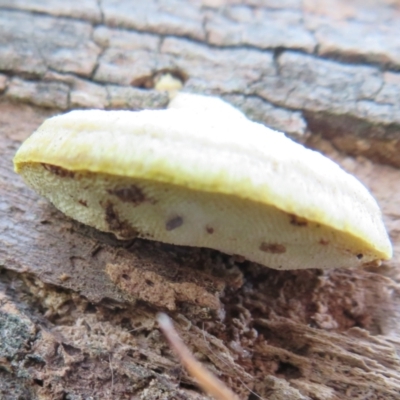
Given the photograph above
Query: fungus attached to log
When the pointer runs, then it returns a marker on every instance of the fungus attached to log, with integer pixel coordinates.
(201, 174)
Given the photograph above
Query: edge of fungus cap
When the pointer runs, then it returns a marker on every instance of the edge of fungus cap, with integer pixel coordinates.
(201, 174)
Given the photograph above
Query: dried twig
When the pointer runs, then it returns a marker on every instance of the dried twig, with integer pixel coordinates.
(206, 380)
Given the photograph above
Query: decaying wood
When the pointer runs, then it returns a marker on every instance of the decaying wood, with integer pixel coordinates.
(78, 307)
(204, 378)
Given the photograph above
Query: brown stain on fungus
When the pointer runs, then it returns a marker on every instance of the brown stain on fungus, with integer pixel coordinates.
(131, 194)
(56, 170)
(83, 203)
(121, 228)
(360, 256)
(274, 248)
(173, 223)
(210, 229)
(297, 221)
(324, 242)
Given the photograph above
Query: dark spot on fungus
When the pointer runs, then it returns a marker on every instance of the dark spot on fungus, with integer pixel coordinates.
(125, 276)
(83, 202)
(273, 248)
(324, 242)
(210, 229)
(111, 217)
(121, 228)
(173, 223)
(149, 282)
(360, 256)
(131, 194)
(56, 170)
(297, 221)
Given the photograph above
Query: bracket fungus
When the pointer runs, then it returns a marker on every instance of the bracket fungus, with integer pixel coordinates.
(201, 174)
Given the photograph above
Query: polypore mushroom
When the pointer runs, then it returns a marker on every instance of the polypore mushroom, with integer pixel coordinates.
(201, 174)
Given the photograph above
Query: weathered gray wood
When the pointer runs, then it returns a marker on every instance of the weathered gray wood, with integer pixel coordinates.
(343, 100)
(77, 307)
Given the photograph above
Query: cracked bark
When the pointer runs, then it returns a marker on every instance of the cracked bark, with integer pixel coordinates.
(77, 306)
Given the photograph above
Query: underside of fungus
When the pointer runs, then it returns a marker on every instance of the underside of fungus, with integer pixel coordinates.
(201, 174)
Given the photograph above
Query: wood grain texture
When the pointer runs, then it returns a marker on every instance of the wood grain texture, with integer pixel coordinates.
(305, 68)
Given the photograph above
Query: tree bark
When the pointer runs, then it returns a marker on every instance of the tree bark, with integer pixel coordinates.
(78, 307)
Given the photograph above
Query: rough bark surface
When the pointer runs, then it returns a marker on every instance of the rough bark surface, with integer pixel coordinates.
(77, 307)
